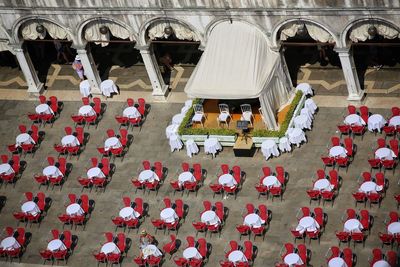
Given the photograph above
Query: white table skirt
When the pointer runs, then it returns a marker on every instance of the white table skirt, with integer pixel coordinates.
(151, 250)
(376, 122)
(24, 138)
(131, 112)
(394, 228)
(74, 209)
(168, 215)
(177, 119)
(381, 263)
(338, 151)
(210, 217)
(191, 252)
(9, 243)
(296, 136)
(310, 104)
(292, 258)
(211, 146)
(86, 110)
(268, 148)
(110, 247)
(271, 181)
(308, 224)
(306, 112)
(323, 184)
(237, 256)
(353, 225)
(354, 119)
(394, 121)
(369, 186)
(175, 143)
(112, 143)
(84, 88)
(186, 177)
(56, 244)
(185, 109)
(6, 169)
(128, 213)
(384, 153)
(337, 262)
(191, 148)
(227, 179)
(253, 220)
(189, 103)
(43, 109)
(305, 88)
(52, 171)
(30, 207)
(171, 130)
(70, 140)
(284, 144)
(107, 87)
(302, 122)
(148, 175)
(95, 172)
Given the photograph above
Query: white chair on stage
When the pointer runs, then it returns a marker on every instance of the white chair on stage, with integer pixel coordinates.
(198, 114)
(224, 115)
(247, 114)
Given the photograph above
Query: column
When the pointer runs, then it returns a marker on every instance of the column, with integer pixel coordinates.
(350, 74)
(24, 60)
(90, 70)
(160, 89)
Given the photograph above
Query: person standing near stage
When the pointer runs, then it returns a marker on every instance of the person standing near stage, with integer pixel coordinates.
(78, 67)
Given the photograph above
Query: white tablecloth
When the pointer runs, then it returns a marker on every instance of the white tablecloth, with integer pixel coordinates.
(148, 175)
(95, 172)
(271, 181)
(186, 177)
(112, 142)
(70, 140)
(6, 169)
(384, 153)
(353, 225)
(191, 252)
(292, 258)
(381, 263)
(56, 244)
(52, 171)
(296, 136)
(376, 122)
(177, 119)
(236, 256)
(43, 109)
(151, 250)
(74, 209)
(253, 220)
(86, 110)
(9, 243)
(191, 148)
(284, 145)
(84, 88)
(131, 112)
(211, 146)
(323, 184)
(306, 112)
(168, 215)
(188, 103)
(227, 179)
(338, 151)
(308, 224)
(210, 217)
(107, 87)
(302, 122)
(268, 148)
(110, 247)
(354, 119)
(337, 262)
(171, 130)
(128, 213)
(394, 121)
(369, 186)
(310, 104)
(305, 88)
(394, 228)
(175, 142)
(24, 138)
(185, 109)
(30, 207)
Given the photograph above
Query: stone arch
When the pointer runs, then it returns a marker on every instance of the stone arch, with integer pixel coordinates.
(82, 25)
(145, 26)
(344, 35)
(16, 37)
(280, 25)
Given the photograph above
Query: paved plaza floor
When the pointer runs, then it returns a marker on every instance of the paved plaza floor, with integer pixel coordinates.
(151, 144)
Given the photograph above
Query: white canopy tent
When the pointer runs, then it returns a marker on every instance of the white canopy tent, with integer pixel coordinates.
(238, 64)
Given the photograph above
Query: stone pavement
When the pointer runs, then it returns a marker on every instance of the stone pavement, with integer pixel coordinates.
(150, 144)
